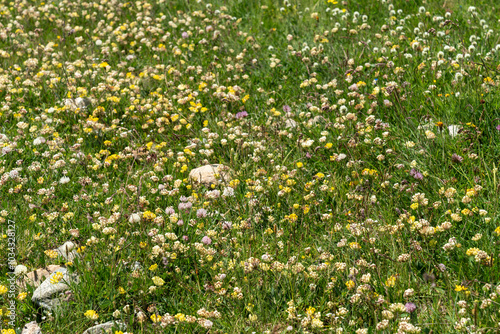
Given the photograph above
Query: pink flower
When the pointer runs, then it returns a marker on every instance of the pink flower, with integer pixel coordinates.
(201, 213)
(206, 240)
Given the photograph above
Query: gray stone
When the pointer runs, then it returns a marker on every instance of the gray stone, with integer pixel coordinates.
(106, 327)
(31, 328)
(47, 295)
(207, 174)
(67, 251)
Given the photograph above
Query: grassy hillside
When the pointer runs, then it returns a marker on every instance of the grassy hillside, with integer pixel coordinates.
(361, 144)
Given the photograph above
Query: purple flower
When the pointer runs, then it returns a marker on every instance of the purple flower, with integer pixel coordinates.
(410, 307)
(456, 158)
(206, 240)
(201, 213)
(286, 108)
(185, 238)
(180, 222)
(498, 127)
(241, 114)
(170, 210)
(183, 199)
(227, 225)
(416, 174)
(442, 267)
(185, 35)
(308, 155)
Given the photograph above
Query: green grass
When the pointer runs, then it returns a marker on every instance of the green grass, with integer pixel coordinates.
(325, 232)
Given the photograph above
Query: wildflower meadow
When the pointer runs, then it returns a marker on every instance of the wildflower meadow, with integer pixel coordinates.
(230, 166)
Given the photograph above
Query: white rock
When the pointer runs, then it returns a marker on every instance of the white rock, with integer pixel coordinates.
(106, 327)
(47, 294)
(67, 251)
(206, 174)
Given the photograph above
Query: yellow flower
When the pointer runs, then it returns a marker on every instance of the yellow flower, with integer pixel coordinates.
(91, 314)
(158, 281)
(121, 290)
(310, 311)
(472, 251)
(22, 296)
(300, 164)
(156, 318)
(51, 253)
(153, 267)
(180, 317)
(57, 277)
(391, 281)
(8, 331)
(149, 215)
(350, 284)
(459, 288)
(3, 289)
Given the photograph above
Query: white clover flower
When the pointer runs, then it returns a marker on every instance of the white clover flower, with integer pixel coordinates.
(134, 218)
(64, 180)
(20, 270)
